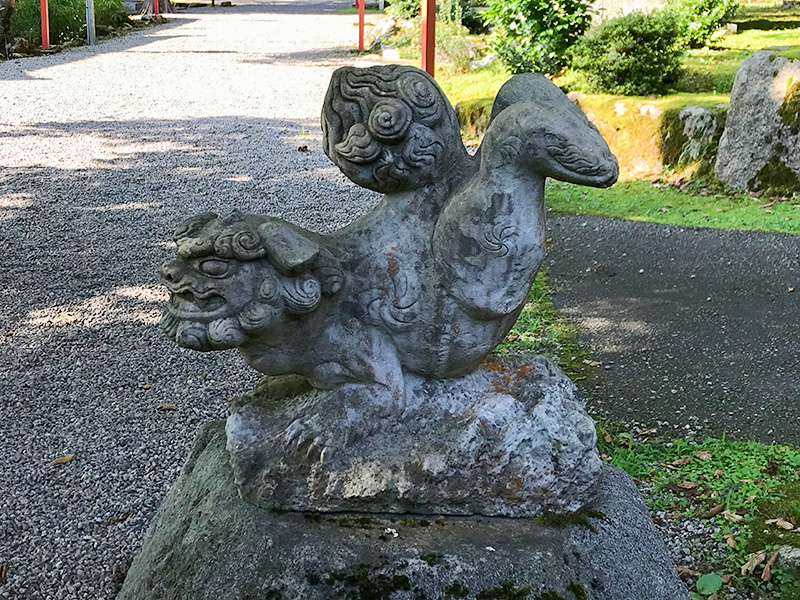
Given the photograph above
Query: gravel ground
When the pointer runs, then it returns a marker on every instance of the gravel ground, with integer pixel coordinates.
(103, 151)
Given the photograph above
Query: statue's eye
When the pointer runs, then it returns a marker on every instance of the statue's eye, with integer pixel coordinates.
(214, 267)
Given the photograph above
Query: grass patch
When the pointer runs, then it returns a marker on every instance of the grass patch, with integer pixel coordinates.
(352, 10)
(540, 329)
(747, 488)
(642, 201)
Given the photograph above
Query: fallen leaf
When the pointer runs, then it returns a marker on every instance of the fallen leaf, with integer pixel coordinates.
(62, 459)
(753, 561)
(118, 518)
(715, 510)
(704, 455)
(302, 148)
(592, 363)
(772, 467)
(718, 473)
(685, 572)
(607, 438)
(726, 579)
(146, 386)
(688, 485)
(780, 523)
(732, 516)
(681, 461)
(767, 574)
(649, 433)
(746, 481)
(167, 407)
(3, 573)
(730, 540)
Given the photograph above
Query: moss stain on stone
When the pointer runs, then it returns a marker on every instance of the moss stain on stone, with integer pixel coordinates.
(506, 590)
(775, 178)
(550, 595)
(432, 559)
(577, 590)
(580, 517)
(789, 111)
(353, 522)
(365, 584)
(455, 590)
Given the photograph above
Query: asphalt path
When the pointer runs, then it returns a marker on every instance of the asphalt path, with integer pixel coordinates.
(698, 329)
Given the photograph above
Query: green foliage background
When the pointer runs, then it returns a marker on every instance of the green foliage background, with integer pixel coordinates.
(67, 19)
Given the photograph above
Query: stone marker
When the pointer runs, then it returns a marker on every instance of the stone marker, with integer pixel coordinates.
(379, 399)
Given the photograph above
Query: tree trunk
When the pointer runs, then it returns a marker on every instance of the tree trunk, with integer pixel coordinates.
(6, 8)
(164, 6)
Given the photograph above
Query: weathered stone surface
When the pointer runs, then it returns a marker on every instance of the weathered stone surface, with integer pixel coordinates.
(789, 560)
(760, 146)
(511, 440)
(206, 543)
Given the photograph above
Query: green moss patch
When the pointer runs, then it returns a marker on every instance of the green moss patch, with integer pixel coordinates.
(506, 590)
(789, 111)
(775, 178)
(456, 590)
(369, 584)
(580, 517)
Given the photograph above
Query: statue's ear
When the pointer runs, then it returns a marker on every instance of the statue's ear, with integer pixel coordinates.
(288, 248)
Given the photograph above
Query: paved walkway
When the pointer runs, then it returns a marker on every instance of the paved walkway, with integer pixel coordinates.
(698, 328)
(103, 151)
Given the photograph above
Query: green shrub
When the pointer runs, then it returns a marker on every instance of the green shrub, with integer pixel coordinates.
(109, 13)
(698, 19)
(634, 55)
(404, 9)
(535, 35)
(67, 19)
(452, 43)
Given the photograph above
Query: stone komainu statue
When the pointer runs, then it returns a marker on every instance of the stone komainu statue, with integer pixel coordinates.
(388, 319)
(431, 279)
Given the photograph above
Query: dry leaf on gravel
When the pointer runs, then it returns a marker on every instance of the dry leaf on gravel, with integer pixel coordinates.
(780, 523)
(146, 386)
(3, 573)
(167, 407)
(302, 148)
(767, 574)
(592, 363)
(62, 459)
(685, 572)
(118, 518)
(704, 455)
(753, 561)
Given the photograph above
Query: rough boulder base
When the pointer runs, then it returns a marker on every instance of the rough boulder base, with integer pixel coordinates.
(511, 439)
(206, 543)
(760, 147)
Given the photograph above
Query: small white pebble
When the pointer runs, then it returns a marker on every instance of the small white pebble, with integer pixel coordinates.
(391, 531)
(641, 271)
(490, 549)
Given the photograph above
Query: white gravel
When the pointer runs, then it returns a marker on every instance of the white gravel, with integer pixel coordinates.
(103, 151)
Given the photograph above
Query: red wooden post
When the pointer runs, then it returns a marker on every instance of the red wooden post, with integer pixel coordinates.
(45, 25)
(155, 7)
(361, 4)
(428, 35)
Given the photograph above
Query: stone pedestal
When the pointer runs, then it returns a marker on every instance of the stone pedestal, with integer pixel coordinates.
(207, 543)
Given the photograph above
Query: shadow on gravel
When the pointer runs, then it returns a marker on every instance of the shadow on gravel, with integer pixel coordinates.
(696, 328)
(22, 68)
(84, 366)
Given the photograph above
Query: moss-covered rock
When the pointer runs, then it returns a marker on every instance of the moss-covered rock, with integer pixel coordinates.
(679, 133)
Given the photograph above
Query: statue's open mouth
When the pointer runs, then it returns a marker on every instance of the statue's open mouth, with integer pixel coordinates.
(186, 304)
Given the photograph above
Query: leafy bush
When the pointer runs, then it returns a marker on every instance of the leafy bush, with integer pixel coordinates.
(67, 19)
(452, 44)
(698, 19)
(404, 9)
(535, 35)
(634, 55)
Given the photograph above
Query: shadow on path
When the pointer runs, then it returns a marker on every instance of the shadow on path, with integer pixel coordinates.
(697, 328)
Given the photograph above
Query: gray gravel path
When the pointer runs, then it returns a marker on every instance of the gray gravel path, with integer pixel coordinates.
(698, 329)
(102, 152)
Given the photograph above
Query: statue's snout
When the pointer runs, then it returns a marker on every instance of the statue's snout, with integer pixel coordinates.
(172, 273)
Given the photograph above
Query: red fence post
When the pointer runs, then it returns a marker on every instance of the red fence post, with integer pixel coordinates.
(428, 35)
(155, 7)
(45, 24)
(361, 4)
